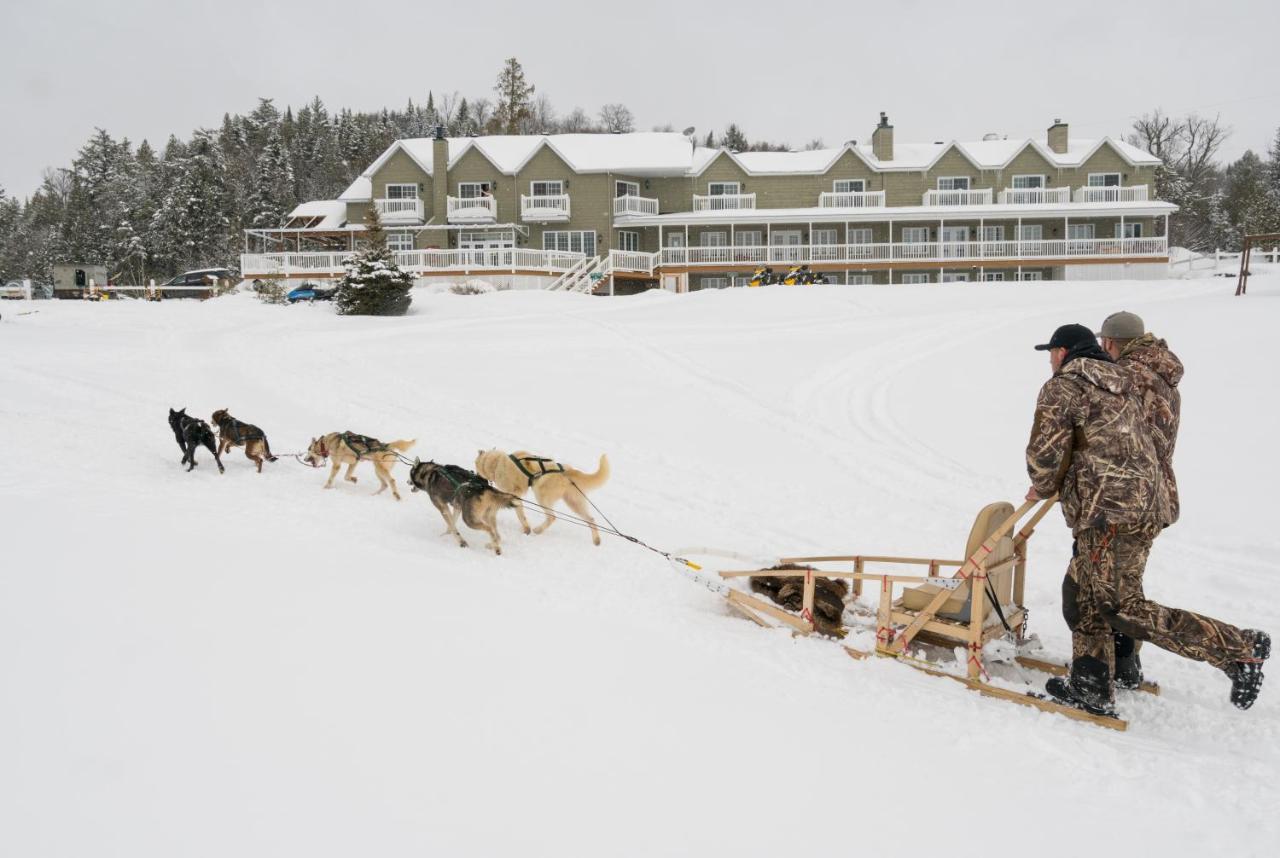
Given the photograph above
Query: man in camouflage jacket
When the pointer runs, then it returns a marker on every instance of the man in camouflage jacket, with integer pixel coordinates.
(1154, 373)
(1089, 444)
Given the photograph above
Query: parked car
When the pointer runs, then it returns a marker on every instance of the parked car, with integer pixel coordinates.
(201, 277)
(310, 292)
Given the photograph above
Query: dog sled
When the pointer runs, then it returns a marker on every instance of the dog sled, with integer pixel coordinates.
(968, 610)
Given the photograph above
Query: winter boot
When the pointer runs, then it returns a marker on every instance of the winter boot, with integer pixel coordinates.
(1128, 665)
(1246, 676)
(1088, 687)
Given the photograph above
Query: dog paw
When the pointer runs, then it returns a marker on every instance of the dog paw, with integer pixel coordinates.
(528, 531)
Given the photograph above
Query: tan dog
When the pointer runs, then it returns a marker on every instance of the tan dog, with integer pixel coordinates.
(236, 433)
(516, 473)
(347, 448)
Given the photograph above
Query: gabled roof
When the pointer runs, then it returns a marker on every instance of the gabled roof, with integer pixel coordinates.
(321, 214)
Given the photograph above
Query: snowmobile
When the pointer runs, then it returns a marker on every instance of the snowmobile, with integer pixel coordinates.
(763, 276)
(800, 275)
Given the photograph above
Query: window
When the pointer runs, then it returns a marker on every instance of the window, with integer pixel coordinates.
(1080, 230)
(861, 235)
(915, 278)
(860, 280)
(823, 237)
(713, 239)
(849, 186)
(993, 233)
(628, 240)
(399, 240)
(471, 190)
(1130, 230)
(915, 235)
(955, 277)
(1031, 275)
(546, 189)
(714, 283)
(1031, 232)
(993, 277)
(721, 189)
(626, 189)
(675, 239)
(953, 183)
(574, 241)
(1104, 180)
(748, 238)
(1023, 182)
(402, 192)
(486, 239)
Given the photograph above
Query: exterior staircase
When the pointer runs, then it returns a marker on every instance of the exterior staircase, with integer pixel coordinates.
(588, 275)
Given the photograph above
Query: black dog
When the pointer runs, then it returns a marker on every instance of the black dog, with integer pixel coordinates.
(191, 432)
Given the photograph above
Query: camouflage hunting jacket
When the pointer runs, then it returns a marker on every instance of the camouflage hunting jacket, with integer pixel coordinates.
(1155, 373)
(1090, 444)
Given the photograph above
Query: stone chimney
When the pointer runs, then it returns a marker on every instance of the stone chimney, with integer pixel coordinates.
(882, 139)
(1058, 137)
(439, 175)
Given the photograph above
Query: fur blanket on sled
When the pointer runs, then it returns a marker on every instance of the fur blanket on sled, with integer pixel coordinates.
(828, 598)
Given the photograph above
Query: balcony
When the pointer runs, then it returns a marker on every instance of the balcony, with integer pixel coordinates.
(544, 208)
(413, 261)
(958, 198)
(472, 209)
(851, 200)
(1034, 196)
(723, 202)
(1112, 194)
(399, 211)
(632, 205)
(944, 252)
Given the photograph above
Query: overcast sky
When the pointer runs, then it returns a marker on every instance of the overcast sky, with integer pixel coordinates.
(787, 70)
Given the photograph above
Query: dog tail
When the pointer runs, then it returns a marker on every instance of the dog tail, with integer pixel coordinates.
(590, 482)
(401, 446)
(266, 445)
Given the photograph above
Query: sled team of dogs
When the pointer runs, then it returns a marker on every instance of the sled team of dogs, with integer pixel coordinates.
(500, 480)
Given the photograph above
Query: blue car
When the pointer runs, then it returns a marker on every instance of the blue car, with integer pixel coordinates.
(310, 292)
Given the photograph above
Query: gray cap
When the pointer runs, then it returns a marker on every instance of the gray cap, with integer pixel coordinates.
(1123, 326)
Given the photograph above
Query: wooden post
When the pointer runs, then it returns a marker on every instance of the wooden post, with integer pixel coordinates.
(806, 603)
(857, 582)
(884, 614)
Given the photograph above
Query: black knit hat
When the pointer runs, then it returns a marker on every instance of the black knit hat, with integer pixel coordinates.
(1071, 338)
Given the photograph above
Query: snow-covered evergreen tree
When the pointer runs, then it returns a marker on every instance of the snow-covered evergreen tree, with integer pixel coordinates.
(271, 196)
(373, 284)
(194, 225)
(515, 98)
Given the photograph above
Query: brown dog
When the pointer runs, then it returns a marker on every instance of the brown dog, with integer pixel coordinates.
(456, 491)
(233, 433)
(516, 473)
(347, 448)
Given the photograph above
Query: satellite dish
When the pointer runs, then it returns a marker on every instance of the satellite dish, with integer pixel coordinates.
(688, 131)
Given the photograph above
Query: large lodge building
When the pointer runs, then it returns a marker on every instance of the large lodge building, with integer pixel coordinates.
(621, 212)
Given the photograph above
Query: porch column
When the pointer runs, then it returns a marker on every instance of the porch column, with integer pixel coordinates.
(1018, 237)
(1122, 235)
(1066, 232)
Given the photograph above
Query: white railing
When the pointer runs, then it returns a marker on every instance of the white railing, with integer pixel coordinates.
(544, 207)
(851, 200)
(632, 260)
(1034, 196)
(633, 205)
(933, 251)
(723, 202)
(414, 261)
(1112, 194)
(472, 209)
(399, 211)
(958, 198)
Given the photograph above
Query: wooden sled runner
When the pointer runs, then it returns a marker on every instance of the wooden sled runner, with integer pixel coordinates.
(980, 601)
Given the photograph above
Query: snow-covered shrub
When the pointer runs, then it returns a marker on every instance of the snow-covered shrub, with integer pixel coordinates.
(374, 285)
(472, 287)
(271, 292)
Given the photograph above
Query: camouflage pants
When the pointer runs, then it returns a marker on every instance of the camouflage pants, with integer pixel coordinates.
(1102, 594)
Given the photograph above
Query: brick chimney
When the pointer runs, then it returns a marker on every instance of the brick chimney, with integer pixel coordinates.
(439, 175)
(882, 139)
(1058, 137)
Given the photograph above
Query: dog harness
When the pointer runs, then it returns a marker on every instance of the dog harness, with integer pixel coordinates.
(459, 477)
(355, 442)
(242, 432)
(540, 463)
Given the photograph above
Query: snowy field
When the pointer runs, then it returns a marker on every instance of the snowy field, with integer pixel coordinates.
(244, 665)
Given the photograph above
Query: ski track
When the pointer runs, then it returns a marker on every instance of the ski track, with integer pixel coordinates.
(285, 669)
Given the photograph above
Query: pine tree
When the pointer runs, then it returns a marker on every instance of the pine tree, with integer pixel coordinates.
(373, 284)
(711, 140)
(734, 140)
(194, 227)
(462, 125)
(271, 197)
(514, 98)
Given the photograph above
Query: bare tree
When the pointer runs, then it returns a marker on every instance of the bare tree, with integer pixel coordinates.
(577, 122)
(666, 127)
(543, 118)
(482, 114)
(1186, 145)
(815, 143)
(616, 118)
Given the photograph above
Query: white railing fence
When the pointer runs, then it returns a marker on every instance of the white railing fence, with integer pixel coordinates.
(391, 210)
(958, 198)
(1113, 194)
(544, 206)
(633, 205)
(723, 202)
(1034, 196)
(851, 200)
(471, 208)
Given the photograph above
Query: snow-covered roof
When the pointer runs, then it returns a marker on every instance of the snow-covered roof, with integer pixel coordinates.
(661, 153)
(332, 213)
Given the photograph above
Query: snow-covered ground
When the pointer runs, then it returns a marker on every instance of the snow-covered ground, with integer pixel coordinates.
(205, 665)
